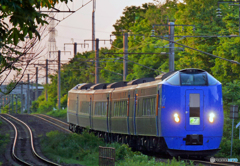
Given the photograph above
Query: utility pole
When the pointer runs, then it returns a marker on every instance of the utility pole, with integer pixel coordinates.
(9, 100)
(16, 104)
(46, 94)
(36, 93)
(97, 62)
(28, 94)
(171, 46)
(75, 49)
(97, 58)
(4, 100)
(31, 93)
(12, 103)
(93, 25)
(22, 97)
(125, 56)
(59, 79)
(1, 105)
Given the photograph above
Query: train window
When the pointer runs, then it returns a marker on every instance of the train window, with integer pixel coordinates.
(120, 108)
(84, 107)
(174, 80)
(193, 79)
(72, 105)
(212, 80)
(100, 108)
(194, 108)
(148, 106)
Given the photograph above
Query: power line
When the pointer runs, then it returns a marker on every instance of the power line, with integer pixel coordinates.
(82, 28)
(135, 62)
(215, 56)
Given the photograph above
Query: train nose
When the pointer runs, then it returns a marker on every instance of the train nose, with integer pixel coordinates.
(194, 139)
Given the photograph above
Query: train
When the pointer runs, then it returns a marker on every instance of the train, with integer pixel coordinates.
(179, 113)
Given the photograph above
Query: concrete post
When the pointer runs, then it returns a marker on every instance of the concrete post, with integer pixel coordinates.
(59, 80)
(97, 62)
(125, 56)
(171, 45)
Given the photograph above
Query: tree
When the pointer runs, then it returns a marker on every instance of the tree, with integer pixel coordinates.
(20, 28)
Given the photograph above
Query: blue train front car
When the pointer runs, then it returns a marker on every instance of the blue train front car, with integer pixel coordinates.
(192, 113)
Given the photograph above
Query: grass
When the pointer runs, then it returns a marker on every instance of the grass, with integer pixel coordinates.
(83, 149)
(62, 113)
(72, 148)
(4, 139)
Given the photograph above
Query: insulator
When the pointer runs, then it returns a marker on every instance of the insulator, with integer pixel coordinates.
(153, 32)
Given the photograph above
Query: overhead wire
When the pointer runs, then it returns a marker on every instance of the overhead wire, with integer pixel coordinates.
(215, 56)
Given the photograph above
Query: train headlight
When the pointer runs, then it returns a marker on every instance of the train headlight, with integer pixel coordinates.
(176, 118)
(211, 117)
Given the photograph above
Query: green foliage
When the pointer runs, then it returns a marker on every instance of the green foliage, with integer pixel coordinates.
(4, 139)
(226, 147)
(231, 93)
(73, 148)
(144, 160)
(6, 109)
(58, 113)
(83, 149)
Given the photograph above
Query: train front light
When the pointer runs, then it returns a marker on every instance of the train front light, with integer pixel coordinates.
(176, 118)
(211, 117)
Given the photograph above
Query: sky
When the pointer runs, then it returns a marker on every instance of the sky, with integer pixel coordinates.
(78, 26)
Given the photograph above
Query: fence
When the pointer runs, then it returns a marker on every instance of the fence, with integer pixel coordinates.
(106, 156)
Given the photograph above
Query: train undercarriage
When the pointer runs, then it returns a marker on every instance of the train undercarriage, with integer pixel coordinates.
(144, 143)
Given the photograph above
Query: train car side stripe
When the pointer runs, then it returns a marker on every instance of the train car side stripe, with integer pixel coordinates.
(77, 111)
(107, 113)
(135, 109)
(157, 105)
(128, 102)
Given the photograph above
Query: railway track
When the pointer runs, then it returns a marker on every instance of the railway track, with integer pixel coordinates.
(23, 150)
(63, 125)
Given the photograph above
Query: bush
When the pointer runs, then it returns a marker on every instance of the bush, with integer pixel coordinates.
(58, 113)
(64, 100)
(4, 139)
(72, 148)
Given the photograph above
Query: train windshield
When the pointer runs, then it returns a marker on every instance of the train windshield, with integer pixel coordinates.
(193, 78)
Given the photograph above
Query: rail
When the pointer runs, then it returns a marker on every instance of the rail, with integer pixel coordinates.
(32, 142)
(53, 123)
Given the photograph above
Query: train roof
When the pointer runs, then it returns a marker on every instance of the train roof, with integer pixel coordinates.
(142, 82)
(99, 86)
(117, 84)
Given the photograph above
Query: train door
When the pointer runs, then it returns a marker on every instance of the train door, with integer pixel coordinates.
(90, 111)
(108, 111)
(128, 109)
(135, 112)
(194, 109)
(77, 108)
